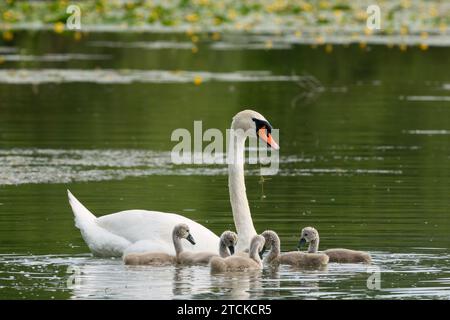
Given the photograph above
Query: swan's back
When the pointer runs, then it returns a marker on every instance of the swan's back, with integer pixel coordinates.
(152, 231)
(348, 256)
(233, 263)
(303, 259)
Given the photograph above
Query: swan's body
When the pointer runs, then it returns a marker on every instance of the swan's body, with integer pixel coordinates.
(240, 263)
(311, 235)
(150, 231)
(293, 258)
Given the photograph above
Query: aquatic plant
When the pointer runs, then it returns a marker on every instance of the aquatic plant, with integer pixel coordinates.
(320, 22)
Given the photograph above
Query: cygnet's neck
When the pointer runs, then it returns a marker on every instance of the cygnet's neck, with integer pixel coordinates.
(314, 245)
(177, 242)
(274, 252)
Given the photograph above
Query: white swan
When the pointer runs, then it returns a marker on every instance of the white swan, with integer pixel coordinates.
(151, 231)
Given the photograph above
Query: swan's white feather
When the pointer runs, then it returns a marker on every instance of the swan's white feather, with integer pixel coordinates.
(137, 231)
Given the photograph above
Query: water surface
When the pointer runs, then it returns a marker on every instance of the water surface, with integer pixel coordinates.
(365, 158)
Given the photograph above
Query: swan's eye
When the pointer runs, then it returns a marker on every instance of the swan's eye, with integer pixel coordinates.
(262, 124)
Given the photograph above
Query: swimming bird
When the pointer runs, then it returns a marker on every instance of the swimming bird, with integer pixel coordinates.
(240, 263)
(311, 236)
(181, 231)
(150, 231)
(293, 258)
(228, 241)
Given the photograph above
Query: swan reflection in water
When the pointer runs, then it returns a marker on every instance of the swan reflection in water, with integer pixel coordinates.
(111, 279)
(237, 285)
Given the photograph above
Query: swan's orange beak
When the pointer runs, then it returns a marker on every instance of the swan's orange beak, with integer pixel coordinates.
(267, 138)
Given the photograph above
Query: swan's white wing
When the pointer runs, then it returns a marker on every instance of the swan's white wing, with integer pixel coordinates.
(152, 231)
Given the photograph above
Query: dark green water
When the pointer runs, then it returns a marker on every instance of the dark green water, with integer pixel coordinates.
(365, 158)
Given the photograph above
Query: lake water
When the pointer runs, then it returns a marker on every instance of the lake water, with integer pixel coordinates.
(365, 158)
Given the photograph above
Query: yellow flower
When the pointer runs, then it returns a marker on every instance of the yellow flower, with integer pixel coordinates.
(198, 80)
(424, 35)
(306, 6)
(338, 14)
(8, 36)
(2, 60)
(320, 40)
(298, 34)
(368, 31)
(423, 46)
(403, 47)
(8, 15)
(404, 30)
(194, 49)
(59, 27)
(192, 17)
(215, 36)
(361, 15)
(268, 44)
(202, 2)
(329, 48)
(362, 45)
(232, 14)
(77, 36)
(194, 38)
(433, 11)
(406, 4)
(189, 32)
(324, 5)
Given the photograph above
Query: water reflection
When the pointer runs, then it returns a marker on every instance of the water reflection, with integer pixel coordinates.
(46, 276)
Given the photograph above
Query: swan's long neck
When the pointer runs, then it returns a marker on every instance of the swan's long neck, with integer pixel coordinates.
(314, 245)
(238, 197)
(177, 243)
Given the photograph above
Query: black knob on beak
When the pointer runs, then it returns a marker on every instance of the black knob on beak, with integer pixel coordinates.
(231, 248)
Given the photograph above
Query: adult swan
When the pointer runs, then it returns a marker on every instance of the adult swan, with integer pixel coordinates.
(141, 230)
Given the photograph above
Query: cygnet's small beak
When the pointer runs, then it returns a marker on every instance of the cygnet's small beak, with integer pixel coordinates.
(190, 239)
(231, 248)
(261, 253)
(301, 243)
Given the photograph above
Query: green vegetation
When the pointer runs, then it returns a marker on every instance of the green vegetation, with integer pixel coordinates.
(244, 15)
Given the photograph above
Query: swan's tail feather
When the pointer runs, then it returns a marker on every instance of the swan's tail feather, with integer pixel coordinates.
(83, 217)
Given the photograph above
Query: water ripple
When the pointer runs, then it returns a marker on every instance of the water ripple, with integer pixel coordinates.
(47, 276)
(22, 166)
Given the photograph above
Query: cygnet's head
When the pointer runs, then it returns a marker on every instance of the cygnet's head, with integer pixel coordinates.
(182, 231)
(308, 234)
(271, 238)
(229, 239)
